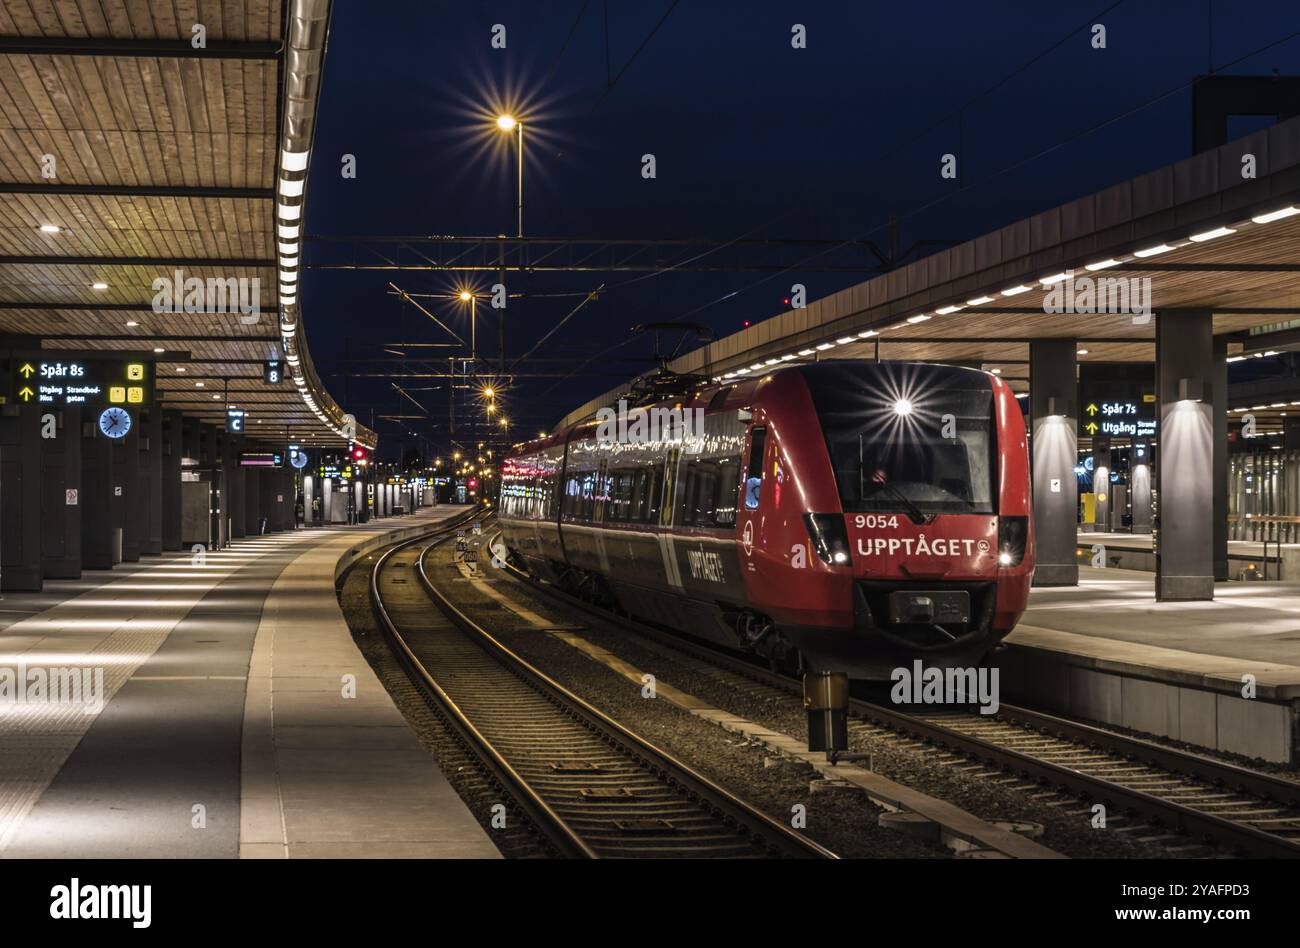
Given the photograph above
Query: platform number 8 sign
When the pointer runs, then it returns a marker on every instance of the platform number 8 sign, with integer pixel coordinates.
(271, 374)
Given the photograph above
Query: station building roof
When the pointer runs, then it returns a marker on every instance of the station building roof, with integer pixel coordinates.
(153, 155)
(1233, 247)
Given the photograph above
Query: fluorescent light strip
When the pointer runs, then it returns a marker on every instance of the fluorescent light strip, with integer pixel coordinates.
(1104, 264)
(844, 340)
(868, 334)
(294, 160)
(1152, 251)
(289, 249)
(289, 212)
(979, 301)
(1211, 234)
(1016, 290)
(825, 345)
(919, 318)
(1277, 215)
(1055, 278)
(291, 188)
(945, 310)
(286, 232)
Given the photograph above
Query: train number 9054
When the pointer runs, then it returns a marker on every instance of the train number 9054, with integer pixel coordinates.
(876, 520)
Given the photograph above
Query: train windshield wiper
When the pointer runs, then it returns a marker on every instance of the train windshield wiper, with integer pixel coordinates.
(913, 512)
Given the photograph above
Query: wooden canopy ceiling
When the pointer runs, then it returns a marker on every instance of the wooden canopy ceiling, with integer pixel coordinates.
(150, 156)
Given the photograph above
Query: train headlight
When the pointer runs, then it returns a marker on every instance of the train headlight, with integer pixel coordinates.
(829, 538)
(1013, 537)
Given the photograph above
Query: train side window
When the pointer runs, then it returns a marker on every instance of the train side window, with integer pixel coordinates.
(754, 469)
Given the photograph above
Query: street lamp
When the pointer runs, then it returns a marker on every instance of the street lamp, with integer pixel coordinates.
(508, 123)
(467, 297)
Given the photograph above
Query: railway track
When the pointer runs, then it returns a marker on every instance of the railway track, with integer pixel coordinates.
(588, 785)
(1182, 801)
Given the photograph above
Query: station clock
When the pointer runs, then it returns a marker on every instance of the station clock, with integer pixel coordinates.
(114, 422)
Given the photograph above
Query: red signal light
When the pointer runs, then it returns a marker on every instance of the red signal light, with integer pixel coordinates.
(473, 483)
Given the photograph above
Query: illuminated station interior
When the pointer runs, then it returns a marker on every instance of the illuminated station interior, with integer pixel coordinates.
(1047, 477)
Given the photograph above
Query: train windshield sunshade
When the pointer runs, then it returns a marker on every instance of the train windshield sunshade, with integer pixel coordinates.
(908, 438)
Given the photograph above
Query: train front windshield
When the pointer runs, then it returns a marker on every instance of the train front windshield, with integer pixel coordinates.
(907, 438)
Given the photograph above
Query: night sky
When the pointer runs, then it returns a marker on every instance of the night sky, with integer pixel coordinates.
(751, 138)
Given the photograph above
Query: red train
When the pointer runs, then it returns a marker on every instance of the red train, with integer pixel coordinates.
(851, 515)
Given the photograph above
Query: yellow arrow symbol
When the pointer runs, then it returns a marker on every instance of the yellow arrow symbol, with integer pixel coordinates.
(27, 370)
(26, 393)
(1092, 409)
(1091, 427)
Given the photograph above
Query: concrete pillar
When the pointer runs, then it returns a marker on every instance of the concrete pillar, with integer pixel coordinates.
(1054, 414)
(1139, 480)
(236, 494)
(1184, 388)
(1101, 492)
(308, 497)
(20, 498)
(266, 494)
(102, 505)
(149, 483)
(229, 465)
(1219, 393)
(283, 498)
(252, 500)
(61, 496)
(172, 449)
(126, 482)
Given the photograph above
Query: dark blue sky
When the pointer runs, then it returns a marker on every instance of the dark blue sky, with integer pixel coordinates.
(751, 137)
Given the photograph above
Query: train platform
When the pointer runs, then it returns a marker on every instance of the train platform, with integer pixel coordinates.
(1223, 674)
(214, 707)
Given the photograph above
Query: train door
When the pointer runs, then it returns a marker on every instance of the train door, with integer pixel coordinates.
(751, 495)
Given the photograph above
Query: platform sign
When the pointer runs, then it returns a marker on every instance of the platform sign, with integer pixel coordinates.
(1116, 407)
(59, 383)
(235, 420)
(260, 459)
(271, 373)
